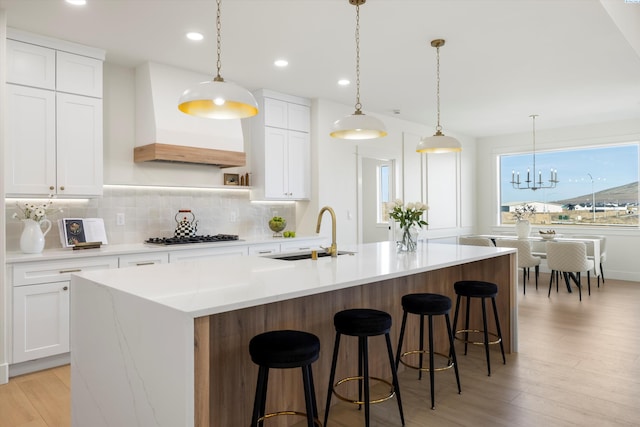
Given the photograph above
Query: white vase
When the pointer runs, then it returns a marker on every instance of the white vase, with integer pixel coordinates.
(32, 237)
(523, 228)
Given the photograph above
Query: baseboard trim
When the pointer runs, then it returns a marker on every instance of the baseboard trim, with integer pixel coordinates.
(4, 373)
(39, 364)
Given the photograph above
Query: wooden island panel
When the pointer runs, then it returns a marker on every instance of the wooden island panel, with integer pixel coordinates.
(225, 376)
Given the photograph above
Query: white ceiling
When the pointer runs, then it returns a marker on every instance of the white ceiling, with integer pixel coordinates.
(566, 60)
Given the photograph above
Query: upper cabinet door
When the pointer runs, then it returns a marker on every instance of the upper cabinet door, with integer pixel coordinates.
(275, 113)
(78, 74)
(30, 156)
(79, 145)
(299, 117)
(31, 65)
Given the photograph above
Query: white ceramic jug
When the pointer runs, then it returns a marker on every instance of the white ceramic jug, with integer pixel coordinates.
(32, 238)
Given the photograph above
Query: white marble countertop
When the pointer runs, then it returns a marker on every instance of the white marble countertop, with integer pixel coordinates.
(200, 288)
(13, 257)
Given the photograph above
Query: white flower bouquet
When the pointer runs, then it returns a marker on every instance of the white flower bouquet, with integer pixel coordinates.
(34, 211)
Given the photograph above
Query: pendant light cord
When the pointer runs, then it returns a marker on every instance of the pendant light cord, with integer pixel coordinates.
(218, 77)
(438, 127)
(358, 104)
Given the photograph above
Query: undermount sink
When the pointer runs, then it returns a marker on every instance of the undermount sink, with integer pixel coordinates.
(306, 255)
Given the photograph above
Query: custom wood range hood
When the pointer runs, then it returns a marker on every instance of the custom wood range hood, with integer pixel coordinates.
(164, 133)
(179, 153)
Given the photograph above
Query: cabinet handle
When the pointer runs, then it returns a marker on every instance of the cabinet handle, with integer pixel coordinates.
(264, 252)
(144, 263)
(66, 288)
(51, 187)
(304, 249)
(62, 188)
(70, 271)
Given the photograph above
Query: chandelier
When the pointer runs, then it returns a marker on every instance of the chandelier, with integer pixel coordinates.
(532, 184)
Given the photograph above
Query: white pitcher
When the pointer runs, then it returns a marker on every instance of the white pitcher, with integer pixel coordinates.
(32, 238)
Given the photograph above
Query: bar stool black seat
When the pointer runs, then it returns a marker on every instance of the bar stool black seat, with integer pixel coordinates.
(362, 323)
(483, 290)
(424, 304)
(282, 350)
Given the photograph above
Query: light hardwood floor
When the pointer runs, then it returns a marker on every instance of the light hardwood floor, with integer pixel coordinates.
(578, 365)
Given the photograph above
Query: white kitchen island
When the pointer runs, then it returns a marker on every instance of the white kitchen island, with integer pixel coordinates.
(167, 345)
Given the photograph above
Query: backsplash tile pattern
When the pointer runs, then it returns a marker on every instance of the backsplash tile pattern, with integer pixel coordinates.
(150, 212)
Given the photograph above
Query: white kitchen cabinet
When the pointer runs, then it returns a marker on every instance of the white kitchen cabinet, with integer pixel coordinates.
(79, 145)
(30, 152)
(54, 130)
(205, 253)
(264, 249)
(78, 74)
(281, 156)
(31, 65)
(142, 259)
(300, 245)
(286, 115)
(40, 320)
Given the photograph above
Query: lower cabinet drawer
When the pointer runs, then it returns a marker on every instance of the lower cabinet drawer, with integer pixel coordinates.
(139, 260)
(264, 249)
(54, 271)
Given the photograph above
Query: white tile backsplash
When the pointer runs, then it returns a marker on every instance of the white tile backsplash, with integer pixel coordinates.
(150, 212)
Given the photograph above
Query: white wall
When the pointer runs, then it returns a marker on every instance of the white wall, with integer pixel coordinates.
(623, 245)
(334, 172)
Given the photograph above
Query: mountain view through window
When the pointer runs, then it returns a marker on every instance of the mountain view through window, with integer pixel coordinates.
(596, 186)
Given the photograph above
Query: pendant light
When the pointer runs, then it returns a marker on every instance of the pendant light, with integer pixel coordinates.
(358, 125)
(218, 99)
(438, 143)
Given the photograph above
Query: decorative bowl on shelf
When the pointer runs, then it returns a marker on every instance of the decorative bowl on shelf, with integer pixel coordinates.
(277, 224)
(548, 235)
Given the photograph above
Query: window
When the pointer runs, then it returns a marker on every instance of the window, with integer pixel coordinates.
(596, 186)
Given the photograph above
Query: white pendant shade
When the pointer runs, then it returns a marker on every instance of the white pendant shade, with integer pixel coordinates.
(438, 143)
(218, 99)
(358, 126)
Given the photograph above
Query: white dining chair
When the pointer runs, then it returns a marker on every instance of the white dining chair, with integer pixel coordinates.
(603, 250)
(525, 259)
(475, 241)
(570, 259)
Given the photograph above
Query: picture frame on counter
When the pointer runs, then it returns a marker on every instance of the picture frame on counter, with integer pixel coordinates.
(231, 179)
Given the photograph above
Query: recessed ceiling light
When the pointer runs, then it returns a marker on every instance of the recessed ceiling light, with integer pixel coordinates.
(344, 82)
(77, 2)
(195, 36)
(281, 63)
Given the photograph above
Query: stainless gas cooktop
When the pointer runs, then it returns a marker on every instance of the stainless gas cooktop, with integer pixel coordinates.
(191, 239)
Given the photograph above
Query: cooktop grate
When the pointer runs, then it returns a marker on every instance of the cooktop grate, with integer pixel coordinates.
(191, 239)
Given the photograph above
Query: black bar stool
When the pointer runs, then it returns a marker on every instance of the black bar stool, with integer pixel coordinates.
(282, 350)
(362, 323)
(428, 305)
(482, 290)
